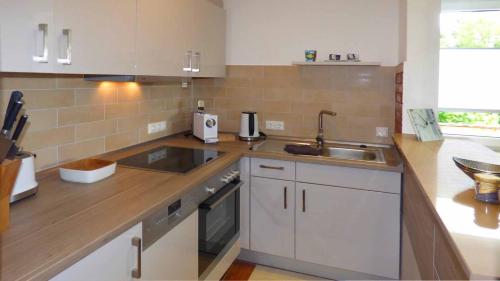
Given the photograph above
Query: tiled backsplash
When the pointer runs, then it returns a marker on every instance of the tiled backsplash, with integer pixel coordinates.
(363, 97)
(71, 118)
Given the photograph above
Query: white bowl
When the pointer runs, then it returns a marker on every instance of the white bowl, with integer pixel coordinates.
(87, 170)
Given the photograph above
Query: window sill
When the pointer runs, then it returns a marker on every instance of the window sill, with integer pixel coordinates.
(487, 136)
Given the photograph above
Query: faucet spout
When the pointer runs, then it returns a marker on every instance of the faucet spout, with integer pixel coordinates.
(320, 138)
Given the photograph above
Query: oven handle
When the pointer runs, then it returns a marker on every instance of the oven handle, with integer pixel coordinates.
(222, 198)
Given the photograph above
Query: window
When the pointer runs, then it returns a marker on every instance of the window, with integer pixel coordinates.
(469, 87)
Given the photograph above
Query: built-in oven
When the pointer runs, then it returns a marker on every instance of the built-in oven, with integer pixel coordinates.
(219, 224)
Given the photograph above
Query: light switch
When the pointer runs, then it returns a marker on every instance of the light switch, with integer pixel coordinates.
(382, 132)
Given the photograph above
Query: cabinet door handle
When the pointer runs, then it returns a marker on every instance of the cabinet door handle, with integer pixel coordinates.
(66, 32)
(196, 62)
(188, 61)
(271, 167)
(303, 200)
(137, 242)
(43, 56)
(285, 197)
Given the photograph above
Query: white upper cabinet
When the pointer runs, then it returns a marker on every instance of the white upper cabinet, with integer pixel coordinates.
(180, 38)
(141, 37)
(95, 36)
(164, 36)
(26, 36)
(209, 36)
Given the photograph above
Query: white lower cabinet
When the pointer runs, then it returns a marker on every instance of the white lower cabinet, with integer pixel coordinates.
(348, 228)
(114, 261)
(272, 212)
(175, 255)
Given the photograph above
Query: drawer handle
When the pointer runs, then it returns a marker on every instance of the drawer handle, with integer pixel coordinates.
(137, 242)
(303, 200)
(285, 197)
(272, 168)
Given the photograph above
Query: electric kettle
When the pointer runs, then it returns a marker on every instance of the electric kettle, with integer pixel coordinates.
(249, 126)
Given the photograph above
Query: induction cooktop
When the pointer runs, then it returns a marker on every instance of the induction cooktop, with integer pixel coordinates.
(170, 159)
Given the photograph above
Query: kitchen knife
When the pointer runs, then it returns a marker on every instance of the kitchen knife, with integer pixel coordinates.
(20, 127)
(14, 149)
(14, 97)
(10, 118)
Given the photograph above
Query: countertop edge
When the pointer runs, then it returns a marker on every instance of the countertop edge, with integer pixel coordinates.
(470, 273)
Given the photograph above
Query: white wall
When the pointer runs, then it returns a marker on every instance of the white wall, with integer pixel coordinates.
(276, 32)
(403, 11)
(421, 69)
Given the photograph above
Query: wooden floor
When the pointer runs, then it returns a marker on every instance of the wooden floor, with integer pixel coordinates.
(241, 270)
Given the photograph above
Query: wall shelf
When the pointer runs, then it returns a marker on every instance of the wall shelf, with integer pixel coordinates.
(337, 63)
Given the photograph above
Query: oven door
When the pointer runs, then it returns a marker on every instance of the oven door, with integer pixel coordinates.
(219, 226)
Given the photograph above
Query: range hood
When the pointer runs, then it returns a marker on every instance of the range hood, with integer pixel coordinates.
(133, 78)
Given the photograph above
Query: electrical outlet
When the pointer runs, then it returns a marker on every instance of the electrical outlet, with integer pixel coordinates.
(157, 127)
(382, 132)
(162, 125)
(275, 125)
(151, 128)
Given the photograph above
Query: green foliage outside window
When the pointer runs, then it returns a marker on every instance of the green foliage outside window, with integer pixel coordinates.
(479, 33)
(470, 118)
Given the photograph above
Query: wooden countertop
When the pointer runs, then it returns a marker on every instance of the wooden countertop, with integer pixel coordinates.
(474, 227)
(66, 221)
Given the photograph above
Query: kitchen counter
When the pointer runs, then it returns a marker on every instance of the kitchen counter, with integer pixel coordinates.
(472, 227)
(66, 221)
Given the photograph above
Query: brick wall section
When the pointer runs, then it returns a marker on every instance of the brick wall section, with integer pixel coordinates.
(398, 119)
(71, 118)
(362, 96)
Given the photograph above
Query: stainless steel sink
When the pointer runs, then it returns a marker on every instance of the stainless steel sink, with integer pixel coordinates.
(361, 154)
(342, 151)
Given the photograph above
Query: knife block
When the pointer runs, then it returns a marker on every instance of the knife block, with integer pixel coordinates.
(8, 174)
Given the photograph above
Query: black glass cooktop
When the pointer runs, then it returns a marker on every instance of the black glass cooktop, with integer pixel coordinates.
(170, 159)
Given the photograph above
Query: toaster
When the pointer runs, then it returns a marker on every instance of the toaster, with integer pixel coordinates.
(25, 184)
(205, 127)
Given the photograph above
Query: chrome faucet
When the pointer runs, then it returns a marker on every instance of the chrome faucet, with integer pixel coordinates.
(320, 139)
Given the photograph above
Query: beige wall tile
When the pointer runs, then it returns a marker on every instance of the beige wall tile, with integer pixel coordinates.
(279, 71)
(46, 158)
(144, 136)
(163, 92)
(132, 92)
(41, 99)
(178, 102)
(152, 106)
(80, 114)
(41, 119)
(362, 97)
(93, 130)
(121, 110)
(24, 81)
(131, 123)
(245, 71)
(47, 138)
(81, 150)
(75, 82)
(121, 140)
(101, 95)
